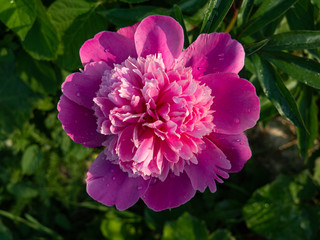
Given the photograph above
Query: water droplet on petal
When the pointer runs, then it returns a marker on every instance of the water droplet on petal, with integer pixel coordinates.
(78, 94)
(108, 185)
(139, 188)
(199, 68)
(236, 120)
(113, 178)
(106, 50)
(248, 110)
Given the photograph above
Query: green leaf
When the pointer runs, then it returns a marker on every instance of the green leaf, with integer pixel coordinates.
(222, 234)
(301, 16)
(294, 40)
(39, 75)
(268, 12)
(5, 233)
(278, 210)
(22, 190)
(276, 91)
(179, 18)
(18, 15)
(316, 174)
(304, 70)
(16, 98)
(134, 1)
(309, 111)
(42, 41)
(185, 227)
(31, 159)
(122, 17)
(120, 226)
(76, 21)
(244, 12)
(217, 10)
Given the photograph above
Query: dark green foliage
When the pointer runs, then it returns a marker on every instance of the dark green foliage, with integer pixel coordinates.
(42, 172)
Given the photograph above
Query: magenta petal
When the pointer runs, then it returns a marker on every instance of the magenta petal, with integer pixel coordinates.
(81, 87)
(109, 185)
(235, 103)
(159, 34)
(235, 147)
(211, 53)
(79, 123)
(173, 192)
(128, 31)
(106, 46)
(212, 164)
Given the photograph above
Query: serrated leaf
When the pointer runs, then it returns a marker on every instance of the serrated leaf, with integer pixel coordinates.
(304, 70)
(31, 159)
(185, 227)
(268, 12)
(276, 91)
(42, 41)
(217, 10)
(277, 210)
(309, 111)
(18, 15)
(76, 22)
(294, 40)
(179, 18)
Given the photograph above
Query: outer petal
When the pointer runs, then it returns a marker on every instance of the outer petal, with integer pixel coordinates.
(173, 192)
(211, 163)
(235, 147)
(79, 123)
(109, 185)
(159, 34)
(211, 53)
(128, 31)
(81, 88)
(235, 103)
(106, 46)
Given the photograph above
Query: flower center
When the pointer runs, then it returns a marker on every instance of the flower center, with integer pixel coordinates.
(157, 117)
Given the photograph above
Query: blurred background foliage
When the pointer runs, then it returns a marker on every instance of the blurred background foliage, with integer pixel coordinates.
(42, 172)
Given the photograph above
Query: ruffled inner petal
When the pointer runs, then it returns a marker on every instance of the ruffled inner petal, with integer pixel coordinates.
(212, 165)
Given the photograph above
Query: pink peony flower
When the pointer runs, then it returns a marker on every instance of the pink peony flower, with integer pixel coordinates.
(171, 121)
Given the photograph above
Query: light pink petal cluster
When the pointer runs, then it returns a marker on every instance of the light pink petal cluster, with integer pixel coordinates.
(171, 121)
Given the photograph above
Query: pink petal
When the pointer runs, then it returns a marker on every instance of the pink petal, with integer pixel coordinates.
(106, 46)
(235, 147)
(79, 123)
(159, 34)
(173, 192)
(211, 53)
(109, 185)
(81, 88)
(212, 163)
(235, 103)
(128, 31)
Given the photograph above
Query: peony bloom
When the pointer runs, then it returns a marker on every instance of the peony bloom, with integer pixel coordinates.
(171, 121)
